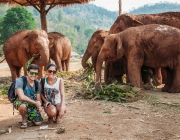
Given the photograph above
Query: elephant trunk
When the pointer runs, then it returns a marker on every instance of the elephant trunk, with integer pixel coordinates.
(86, 56)
(44, 60)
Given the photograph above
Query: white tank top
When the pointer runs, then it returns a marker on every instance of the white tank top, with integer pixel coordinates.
(52, 92)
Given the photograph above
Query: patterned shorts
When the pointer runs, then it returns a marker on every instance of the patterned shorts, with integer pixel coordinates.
(32, 113)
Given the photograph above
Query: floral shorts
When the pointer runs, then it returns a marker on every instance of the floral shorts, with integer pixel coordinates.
(32, 113)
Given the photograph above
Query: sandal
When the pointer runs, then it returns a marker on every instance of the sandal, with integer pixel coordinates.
(23, 125)
(50, 121)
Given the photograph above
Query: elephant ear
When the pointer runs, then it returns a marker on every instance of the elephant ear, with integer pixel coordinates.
(133, 21)
(120, 51)
(136, 23)
(51, 42)
(25, 43)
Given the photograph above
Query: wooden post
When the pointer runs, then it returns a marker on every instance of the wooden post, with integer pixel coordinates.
(43, 15)
(120, 7)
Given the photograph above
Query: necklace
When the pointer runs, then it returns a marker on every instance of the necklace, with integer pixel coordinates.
(55, 79)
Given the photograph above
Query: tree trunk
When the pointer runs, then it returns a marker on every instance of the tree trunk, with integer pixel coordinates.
(120, 7)
(43, 16)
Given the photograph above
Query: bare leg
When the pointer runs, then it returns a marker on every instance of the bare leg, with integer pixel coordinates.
(51, 111)
(58, 117)
(158, 76)
(22, 110)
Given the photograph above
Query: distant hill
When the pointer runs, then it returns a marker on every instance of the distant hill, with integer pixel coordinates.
(156, 8)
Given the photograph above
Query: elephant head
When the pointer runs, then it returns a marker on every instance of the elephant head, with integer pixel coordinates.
(36, 42)
(123, 22)
(94, 47)
(111, 51)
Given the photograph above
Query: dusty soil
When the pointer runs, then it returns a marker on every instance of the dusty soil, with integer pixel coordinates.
(155, 117)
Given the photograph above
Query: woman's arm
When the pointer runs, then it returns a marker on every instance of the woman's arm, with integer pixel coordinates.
(62, 104)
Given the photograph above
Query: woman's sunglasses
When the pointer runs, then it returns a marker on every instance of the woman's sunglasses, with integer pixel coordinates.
(52, 71)
(32, 73)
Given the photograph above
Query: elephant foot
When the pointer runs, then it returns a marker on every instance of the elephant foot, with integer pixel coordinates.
(174, 90)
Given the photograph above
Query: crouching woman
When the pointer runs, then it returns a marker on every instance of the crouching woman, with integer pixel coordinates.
(53, 95)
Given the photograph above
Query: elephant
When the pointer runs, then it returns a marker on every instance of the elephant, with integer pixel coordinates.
(93, 48)
(153, 45)
(125, 21)
(23, 45)
(60, 50)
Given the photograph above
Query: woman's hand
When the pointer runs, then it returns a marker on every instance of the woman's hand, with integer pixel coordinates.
(61, 113)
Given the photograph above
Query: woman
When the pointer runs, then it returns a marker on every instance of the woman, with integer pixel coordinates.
(53, 95)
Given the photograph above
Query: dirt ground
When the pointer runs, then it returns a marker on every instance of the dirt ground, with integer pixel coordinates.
(155, 117)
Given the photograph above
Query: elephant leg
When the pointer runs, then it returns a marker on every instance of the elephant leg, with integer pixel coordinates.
(106, 72)
(63, 65)
(168, 81)
(111, 74)
(67, 62)
(18, 71)
(158, 76)
(175, 86)
(134, 73)
(94, 59)
(13, 72)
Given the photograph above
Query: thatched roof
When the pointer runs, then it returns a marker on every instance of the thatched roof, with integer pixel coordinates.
(47, 2)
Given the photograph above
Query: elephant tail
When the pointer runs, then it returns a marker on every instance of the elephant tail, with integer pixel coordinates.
(3, 58)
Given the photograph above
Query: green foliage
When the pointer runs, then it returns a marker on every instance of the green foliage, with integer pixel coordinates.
(16, 18)
(4, 89)
(88, 32)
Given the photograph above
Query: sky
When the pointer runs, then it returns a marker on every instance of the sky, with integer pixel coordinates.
(113, 5)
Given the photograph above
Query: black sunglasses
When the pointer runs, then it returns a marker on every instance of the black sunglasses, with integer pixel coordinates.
(32, 73)
(54, 71)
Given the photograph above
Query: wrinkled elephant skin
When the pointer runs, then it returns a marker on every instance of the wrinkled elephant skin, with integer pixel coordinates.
(125, 21)
(60, 50)
(152, 45)
(21, 46)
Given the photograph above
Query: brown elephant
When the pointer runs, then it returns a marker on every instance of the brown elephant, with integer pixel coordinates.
(60, 50)
(93, 48)
(24, 44)
(151, 45)
(126, 20)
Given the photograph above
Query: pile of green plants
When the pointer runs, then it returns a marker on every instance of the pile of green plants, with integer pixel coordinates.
(82, 84)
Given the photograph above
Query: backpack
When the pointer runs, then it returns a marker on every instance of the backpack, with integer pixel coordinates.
(11, 91)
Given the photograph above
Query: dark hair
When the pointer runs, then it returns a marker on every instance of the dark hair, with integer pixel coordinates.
(51, 65)
(33, 66)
